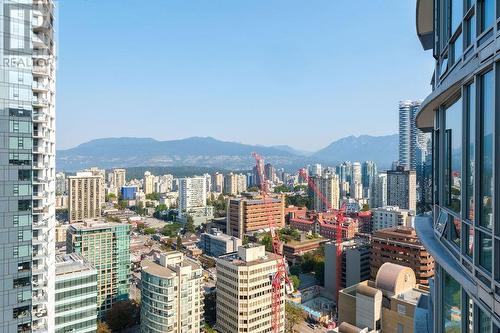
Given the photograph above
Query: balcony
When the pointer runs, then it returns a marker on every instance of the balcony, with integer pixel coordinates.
(40, 71)
(40, 297)
(40, 118)
(39, 87)
(40, 224)
(41, 253)
(39, 284)
(39, 102)
(40, 41)
(39, 195)
(40, 210)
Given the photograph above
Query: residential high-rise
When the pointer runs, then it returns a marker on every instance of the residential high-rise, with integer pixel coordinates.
(148, 183)
(208, 182)
(244, 291)
(329, 191)
(393, 302)
(368, 173)
(462, 234)
(231, 184)
(252, 213)
(192, 193)
(378, 196)
(106, 246)
(356, 173)
(27, 163)
(76, 295)
(171, 294)
(118, 178)
(408, 133)
(402, 188)
(85, 195)
(61, 183)
(400, 245)
(270, 172)
(218, 183)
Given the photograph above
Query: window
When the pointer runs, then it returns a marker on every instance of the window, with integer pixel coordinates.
(452, 304)
(484, 321)
(24, 205)
(470, 30)
(457, 14)
(453, 155)
(469, 240)
(24, 175)
(485, 247)
(486, 153)
(470, 159)
(487, 10)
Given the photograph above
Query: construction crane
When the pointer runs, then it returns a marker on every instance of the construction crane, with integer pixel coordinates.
(339, 216)
(280, 278)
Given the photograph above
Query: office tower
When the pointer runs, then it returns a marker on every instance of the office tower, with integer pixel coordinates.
(408, 133)
(192, 193)
(148, 183)
(27, 163)
(85, 196)
(244, 290)
(252, 213)
(400, 245)
(257, 176)
(61, 183)
(368, 173)
(231, 184)
(378, 197)
(118, 178)
(215, 243)
(390, 217)
(106, 246)
(270, 172)
(327, 190)
(355, 264)
(315, 170)
(462, 234)
(76, 294)
(393, 302)
(218, 183)
(401, 188)
(128, 192)
(171, 294)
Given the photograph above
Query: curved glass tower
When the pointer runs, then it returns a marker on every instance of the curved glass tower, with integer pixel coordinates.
(463, 231)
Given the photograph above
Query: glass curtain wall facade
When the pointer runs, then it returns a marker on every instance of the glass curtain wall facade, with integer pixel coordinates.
(463, 234)
(27, 165)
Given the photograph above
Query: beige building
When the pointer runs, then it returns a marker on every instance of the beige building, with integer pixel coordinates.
(61, 230)
(387, 304)
(244, 291)
(171, 294)
(118, 179)
(252, 213)
(85, 196)
(149, 183)
(218, 182)
(328, 187)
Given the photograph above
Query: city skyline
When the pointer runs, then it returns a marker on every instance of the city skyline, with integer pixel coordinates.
(294, 61)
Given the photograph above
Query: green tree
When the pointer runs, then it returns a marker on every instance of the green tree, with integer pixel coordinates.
(153, 196)
(295, 281)
(171, 229)
(293, 316)
(179, 244)
(149, 231)
(295, 270)
(102, 327)
(365, 208)
(253, 189)
(122, 315)
(209, 329)
(189, 227)
(281, 189)
(110, 197)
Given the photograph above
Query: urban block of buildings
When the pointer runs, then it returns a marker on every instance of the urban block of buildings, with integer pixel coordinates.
(215, 243)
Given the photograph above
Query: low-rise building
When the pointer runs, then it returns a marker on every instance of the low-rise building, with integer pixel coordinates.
(390, 217)
(401, 246)
(295, 249)
(325, 224)
(215, 243)
(75, 295)
(252, 213)
(171, 294)
(391, 303)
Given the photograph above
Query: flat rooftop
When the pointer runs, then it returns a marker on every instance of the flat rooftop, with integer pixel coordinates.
(96, 225)
(71, 263)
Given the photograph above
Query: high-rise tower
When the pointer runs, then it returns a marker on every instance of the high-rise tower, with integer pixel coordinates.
(27, 163)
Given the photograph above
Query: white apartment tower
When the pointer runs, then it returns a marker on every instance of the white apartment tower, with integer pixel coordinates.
(27, 163)
(328, 186)
(192, 193)
(244, 291)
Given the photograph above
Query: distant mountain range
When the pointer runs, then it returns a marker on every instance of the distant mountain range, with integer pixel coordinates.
(213, 153)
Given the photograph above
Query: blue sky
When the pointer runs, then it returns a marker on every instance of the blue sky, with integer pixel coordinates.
(302, 73)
